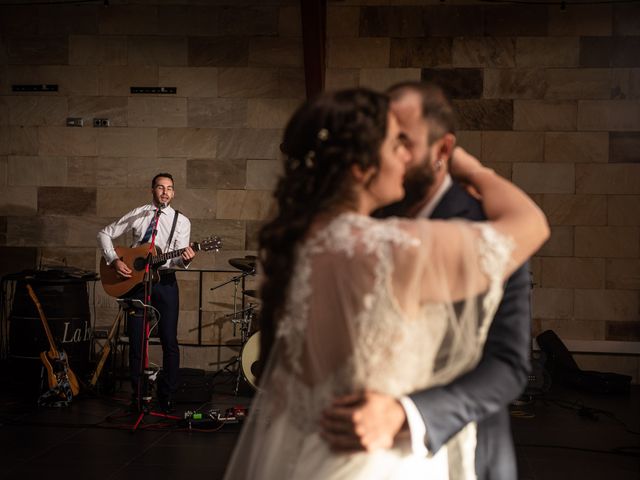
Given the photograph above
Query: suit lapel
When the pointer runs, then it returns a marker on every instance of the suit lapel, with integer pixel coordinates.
(453, 204)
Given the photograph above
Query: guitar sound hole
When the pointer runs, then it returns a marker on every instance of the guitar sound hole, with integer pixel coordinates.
(139, 264)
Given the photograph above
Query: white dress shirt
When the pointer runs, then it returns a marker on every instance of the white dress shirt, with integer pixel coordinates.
(417, 427)
(138, 220)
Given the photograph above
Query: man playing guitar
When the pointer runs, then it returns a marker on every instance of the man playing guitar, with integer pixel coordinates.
(172, 233)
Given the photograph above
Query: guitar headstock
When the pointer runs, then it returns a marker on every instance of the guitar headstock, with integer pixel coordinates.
(210, 243)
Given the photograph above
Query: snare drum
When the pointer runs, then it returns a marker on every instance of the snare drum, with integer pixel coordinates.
(249, 359)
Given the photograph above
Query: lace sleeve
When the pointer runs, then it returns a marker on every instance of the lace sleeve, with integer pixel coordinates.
(494, 255)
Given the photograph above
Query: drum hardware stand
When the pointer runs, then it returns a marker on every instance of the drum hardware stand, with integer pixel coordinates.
(234, 365)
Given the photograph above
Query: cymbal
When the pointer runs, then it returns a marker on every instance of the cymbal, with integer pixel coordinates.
(244, 264)
(250, 293)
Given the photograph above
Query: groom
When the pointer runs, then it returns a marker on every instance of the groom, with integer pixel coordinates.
(372, 420)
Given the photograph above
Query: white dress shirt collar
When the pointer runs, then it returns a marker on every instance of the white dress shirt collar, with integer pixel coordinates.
(433, 203)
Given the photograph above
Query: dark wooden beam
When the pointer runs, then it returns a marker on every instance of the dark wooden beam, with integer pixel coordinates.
(314, 26)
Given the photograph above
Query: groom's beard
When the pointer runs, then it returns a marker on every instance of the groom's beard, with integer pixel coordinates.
(417, 182)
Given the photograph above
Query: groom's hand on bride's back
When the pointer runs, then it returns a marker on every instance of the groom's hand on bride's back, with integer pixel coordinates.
(362, 421)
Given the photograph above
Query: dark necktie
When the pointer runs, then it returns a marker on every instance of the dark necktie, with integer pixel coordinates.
(147, 234)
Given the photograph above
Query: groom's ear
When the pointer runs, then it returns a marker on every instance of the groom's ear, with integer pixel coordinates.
(445, 148)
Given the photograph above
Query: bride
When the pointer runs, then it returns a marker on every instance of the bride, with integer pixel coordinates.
(353, 303)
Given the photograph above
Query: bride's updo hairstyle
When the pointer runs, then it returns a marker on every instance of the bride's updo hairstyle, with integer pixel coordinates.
(324, 138)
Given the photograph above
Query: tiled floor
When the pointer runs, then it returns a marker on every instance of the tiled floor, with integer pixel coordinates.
(91, 439)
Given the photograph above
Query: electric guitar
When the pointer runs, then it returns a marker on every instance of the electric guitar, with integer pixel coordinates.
(136, 259)
(62, 381)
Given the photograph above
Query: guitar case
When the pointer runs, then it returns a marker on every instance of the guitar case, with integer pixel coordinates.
(565, 370)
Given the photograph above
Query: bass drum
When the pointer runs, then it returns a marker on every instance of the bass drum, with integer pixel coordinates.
(249, 359)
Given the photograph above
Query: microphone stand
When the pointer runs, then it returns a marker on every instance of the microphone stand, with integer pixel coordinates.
(143, 395)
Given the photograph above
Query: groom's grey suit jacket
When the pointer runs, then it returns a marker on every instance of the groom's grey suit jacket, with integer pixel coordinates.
(484, 393)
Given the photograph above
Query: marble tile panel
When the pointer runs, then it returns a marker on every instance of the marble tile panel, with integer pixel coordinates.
(624, 147)
(38, 50)
(358, 52)
(562, 209)
(97, 50)
(584, 83)
(289, 21)
(218, 51)
(418, 52)
(187, 142)
(127, 142)
(343, 21)
(547, 51)
(18, 140)
(612, 179)
(18, 201)
(118, 80)
(623, 273)
(248, 82)
(625, 19)
(544, 177)
(512, 146)
(196, 203)
(270, 113)
(609, 115)
(580, 20)
(244, 204)
(339, 78)
(607, 242)
(37, 170)
(623, 209)
(492, 52)
(216, 174)
(217, 112)
(560, 243)
(128, 19)
(576, 147)
(573, 273)
(484, 114)
(275, 52)
(263, 174)
(514, 83)
(190, 81)
(512, 20)
(88, 108)
(143, 111)
(606, 305)
(249, 143)
(37, 110)
(554, 303)
(66, 201)
(156, 50)
(544, 115)
(54, 141)
(382, 78)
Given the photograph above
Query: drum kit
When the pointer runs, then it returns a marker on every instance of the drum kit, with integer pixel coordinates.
(246, 364)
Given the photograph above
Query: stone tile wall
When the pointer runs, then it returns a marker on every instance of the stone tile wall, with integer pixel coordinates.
(549, 98)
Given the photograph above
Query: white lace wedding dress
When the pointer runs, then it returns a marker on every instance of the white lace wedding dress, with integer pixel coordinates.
(388, 305)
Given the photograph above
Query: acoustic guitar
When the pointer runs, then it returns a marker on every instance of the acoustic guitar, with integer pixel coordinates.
(136, 259)
(62, 381)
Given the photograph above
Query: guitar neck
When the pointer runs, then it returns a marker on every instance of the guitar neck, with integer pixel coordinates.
(163, 257)
(43, 319)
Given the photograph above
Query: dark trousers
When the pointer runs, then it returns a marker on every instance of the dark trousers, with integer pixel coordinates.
(164, 297)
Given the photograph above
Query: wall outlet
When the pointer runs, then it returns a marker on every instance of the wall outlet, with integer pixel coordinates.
(75, 122)
(101, 122)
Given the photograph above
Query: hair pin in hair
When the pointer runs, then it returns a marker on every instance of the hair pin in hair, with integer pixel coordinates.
(310, 159)
(323, 134)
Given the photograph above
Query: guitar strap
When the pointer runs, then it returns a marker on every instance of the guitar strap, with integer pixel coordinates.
(173, 229)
